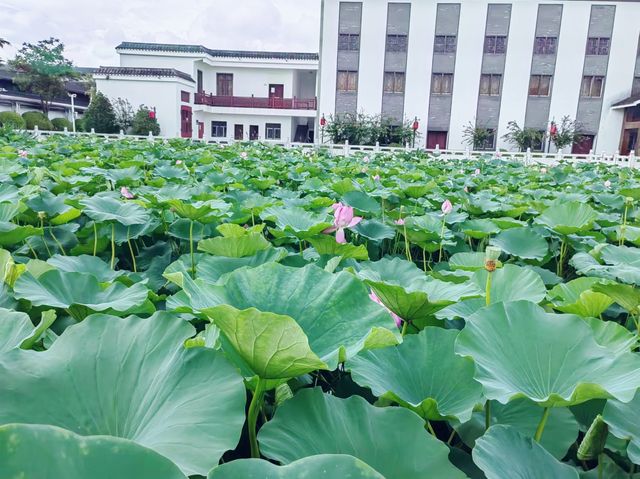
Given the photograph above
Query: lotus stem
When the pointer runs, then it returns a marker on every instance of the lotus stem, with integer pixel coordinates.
(35, 255)
(541, 424)
(487, 415)
(254, 410)
(193, 263)
(382, 207)
(113, 244)
(451, 436)
(64, 253)
(95, 238)
(430, 428)
(600, 468)
(44, 238)
(441, 240)
(424, 260)
(624, 225)
(487, 289)
(133, 256)
(404, 327)
(407, 246)
(563, 250)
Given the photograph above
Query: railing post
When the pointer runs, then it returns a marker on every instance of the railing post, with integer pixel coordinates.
(467, 153)
(436, 151)
(36, 131)
(632, 159)
(93, 131)
(528, 157)
(616, 156)
(66, 131)
(346, 147)
(377, 147)
(559, 154)
(121, 134)
(150, 137)
(590, 156)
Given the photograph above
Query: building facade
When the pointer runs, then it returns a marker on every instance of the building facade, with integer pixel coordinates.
(482, 64)
(198, 92)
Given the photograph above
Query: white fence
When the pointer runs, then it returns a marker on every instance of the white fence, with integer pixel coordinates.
(527, 157)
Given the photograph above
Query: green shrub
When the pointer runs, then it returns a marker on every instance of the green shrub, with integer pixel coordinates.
(12, 120)
(100, 115)
(361, 129)
(81, 124)
(33, 118)
(143, 124)
(59, 124)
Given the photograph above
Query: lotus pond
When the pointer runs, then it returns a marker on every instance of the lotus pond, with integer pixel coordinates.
(175, 309)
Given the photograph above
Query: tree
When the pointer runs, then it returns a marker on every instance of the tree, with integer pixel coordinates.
(3, 43)
(100, 115)
(361, 129)
(42, 69)
(144, 122)
(566, 134)
(523, 138)
(477, 137)
(124, 113)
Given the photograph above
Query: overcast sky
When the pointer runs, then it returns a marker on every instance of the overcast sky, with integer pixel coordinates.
(90, 29)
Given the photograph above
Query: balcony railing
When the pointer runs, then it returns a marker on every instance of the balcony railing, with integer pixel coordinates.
(256, 102)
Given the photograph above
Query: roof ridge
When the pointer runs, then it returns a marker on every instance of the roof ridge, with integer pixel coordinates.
(143, 71)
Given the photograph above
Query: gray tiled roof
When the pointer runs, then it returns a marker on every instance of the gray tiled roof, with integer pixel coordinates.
(631, 101)
(199, 49)
(143, 71)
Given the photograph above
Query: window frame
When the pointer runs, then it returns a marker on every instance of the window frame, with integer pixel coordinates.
(491, 77)
(348, 42)
(351, 79)
(539, 79)
(597, 46)
(449, 44)
(224, 81)
(393, 43)
(217, 124)
(398, 83)
(491, 45)
(635, 86)
(438, 79)
(487, 146)
(544, 41)
(593, 80)
(273, 131)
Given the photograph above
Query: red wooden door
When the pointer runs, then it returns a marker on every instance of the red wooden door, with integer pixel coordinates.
(436, 138)
(276, 96)
(238, 133)
(584, 146)
(629, 141)
(201, 129)
(253, 132)
(185, 122)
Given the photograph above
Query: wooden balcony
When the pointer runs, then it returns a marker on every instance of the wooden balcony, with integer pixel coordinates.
(256, 102)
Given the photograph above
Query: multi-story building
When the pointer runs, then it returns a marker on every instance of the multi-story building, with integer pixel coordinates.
(479, 63)
(203, 93)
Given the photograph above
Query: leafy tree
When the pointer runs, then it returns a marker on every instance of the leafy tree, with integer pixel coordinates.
(143, 122)
(523, 138)
(10, 119)
(59, 124)
(100, 115)
(477, 137)
(361, 129)
(124, 113)
(37, 118)
(567, 133)
(42, 69)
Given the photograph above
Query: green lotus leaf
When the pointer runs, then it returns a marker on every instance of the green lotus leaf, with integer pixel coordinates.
(512, 283)
(314, 423)
(234, 247)
(612, 335)
(85, 264)
(423, 374)
(322, 466)
(504, 452)
(130, 378)
(107, 208)
(296, 221)
(62, 453)
(626, 296)
(11, 234)
(374, 230)
(523, 243)
(333, 310)
(568, 217)
(522, 414)
(577, 297)
(80, 292)
(408, 292)
(327, 245)
(623, 419)
(14, 328)
(522, 351)
(272, 345)
(467, 261)
(479, 228)
(623, 264)
(361, 202)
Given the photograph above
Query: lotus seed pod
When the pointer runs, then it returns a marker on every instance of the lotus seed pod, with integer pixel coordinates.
(628, 200)
(492, 253)
(594, 440)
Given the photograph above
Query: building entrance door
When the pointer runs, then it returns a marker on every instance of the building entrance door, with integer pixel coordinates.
(254, 132)
(584, 146)
(238, 132)
(276, 95)
(629, 141)
(185, 122)
(436, 138)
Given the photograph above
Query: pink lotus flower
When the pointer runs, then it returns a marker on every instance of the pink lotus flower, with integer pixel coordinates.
(22, 153)
(543, 170)
(607, 184)
(366, 159)
(178, 162)
(395, 317)
(399, 221)
(477, 172)
(446, 207)
(126, 193)
(466, 189)
(244, 155)
(342, 218)
(376, 178)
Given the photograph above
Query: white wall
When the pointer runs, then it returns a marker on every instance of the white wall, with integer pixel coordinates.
(371, 67)
(286, 122)
(163, 94)
(248, 81)
(328, 59)
(183, 64)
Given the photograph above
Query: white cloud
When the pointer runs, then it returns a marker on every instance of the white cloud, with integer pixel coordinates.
(90, 29)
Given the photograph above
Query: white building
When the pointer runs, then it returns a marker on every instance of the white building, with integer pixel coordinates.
(202, 93)
(452, 63)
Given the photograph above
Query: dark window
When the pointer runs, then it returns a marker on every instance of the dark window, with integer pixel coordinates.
(219, 129)
(633, 113)
(347, 81)
(538, 143)
(489, 142)
(224, 82)
(635, 89)
(200, 87)
(393, 82)
(592, 86)
(540, 85)
(442, 83)
(545, 45)
(348, 42)
(598, 46)
(397, 43)
(495, 44)
(274, 131)
(184, 96)
(490, 84)
(445, 44)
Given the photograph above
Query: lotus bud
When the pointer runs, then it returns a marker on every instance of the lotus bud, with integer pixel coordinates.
(477, 172)
(244, 155)
(42, 215)
(22, 153)
(447, 207)
(178, 162)
(594, 440)
(491, 256)
(376, 178)
(366, 159)
(628, 201)
(466, 189)
(399, 222)
(607, 184)
(543, 170)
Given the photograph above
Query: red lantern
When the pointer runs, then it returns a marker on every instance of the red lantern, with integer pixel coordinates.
(553, 129)
(415, 125)
(323, 121)
(152, 114)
